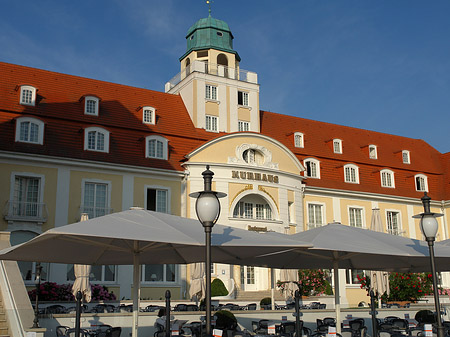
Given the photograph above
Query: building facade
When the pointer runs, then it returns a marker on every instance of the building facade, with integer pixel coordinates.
(72, 145)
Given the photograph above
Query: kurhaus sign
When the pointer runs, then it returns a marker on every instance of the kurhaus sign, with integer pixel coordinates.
(254, 176)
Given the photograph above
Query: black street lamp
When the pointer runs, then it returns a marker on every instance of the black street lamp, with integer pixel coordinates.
(207, 207)
(429, 227)
(37, 282)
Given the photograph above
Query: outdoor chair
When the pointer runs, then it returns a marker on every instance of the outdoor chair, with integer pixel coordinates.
(251, 306)
(61, 330)
(160, 330)
(196, 329)
(191, 307)
(104, 308)
(322, 325)
(102, 329)
(55, 309)
(288, 329)
(356, 328)
(71, 333)
(114, 332)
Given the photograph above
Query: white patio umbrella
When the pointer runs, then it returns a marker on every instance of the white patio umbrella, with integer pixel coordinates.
(82, 272)
(337, 246)
(197, 286)
(291, 277)
(379, 280)
(144, 237)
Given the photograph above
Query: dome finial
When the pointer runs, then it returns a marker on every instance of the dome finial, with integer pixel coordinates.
(208, 2)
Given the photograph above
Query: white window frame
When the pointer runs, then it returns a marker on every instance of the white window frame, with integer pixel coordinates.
(97, 130)
(245, 98)
(40, 125)
(317, 163)
(406, 159)
(32, 101)
(158, 188)
(12, 185)
(146, 111)
(399, 219)
(164, 281)
(348, 277)
(299, 139)
(165, 146)
(390, 174)
(337, 145)
(102, 281)
(97, 181)
(351, 209)
(373, 155)
(211, 92)
(243, 126)
(424, 182)
(349, 168)
(87, 99)
(323, 214)
(213, 124)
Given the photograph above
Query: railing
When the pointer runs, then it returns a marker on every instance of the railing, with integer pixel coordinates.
(94, 212)
(26, 211)
(213, 69)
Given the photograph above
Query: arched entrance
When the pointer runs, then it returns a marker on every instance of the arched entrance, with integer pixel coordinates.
(222, 60)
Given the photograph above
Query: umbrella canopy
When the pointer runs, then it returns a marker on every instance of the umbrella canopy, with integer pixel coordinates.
(379, 280)
(291, 277)
(336, 246)
(138, 236)
(198, 286)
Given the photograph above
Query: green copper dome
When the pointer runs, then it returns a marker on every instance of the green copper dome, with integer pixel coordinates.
(210, 33)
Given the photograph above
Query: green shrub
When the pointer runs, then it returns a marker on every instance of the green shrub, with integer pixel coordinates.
(225, 320)
(265, 301)
(218, 288)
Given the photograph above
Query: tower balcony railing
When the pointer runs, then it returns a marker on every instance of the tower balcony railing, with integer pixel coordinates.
(213, 69)
(25, 211)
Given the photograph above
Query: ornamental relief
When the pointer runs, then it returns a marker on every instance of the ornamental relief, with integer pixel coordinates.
(253, 155)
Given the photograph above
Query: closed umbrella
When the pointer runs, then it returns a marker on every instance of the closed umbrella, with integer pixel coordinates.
(379, 280)
(82, 273)
(291, 277)
(198, 286)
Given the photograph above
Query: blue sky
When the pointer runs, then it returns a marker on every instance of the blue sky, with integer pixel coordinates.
(380, 65)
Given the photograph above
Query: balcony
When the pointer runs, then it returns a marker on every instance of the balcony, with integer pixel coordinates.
(94, 212)
(25, 211)
(213, 69)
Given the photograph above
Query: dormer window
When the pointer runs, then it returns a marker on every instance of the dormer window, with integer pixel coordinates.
(387, 178)
(148, 115)
(27, 95)
(351, 174)
(156, 147)
(29, 130)
(96, 139)
(373, 152)
(421, 183)
(312, 168)
(298, 139)
(405, 157)
(337, 146)
(91, 105)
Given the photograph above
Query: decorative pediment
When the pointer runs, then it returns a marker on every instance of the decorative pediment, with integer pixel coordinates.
(253, 155)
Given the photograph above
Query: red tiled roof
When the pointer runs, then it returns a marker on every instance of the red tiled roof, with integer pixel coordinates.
(61, 106)
(318, 139)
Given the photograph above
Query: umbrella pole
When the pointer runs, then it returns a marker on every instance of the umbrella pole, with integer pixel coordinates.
(78, 314)
(373, 313)
(136, 289)
(337, 297)
(272, 293)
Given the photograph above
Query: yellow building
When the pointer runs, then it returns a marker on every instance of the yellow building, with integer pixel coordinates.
(72, 145)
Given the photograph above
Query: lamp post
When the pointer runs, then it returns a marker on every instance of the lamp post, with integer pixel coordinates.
(429, 227)
(207, 207)
(37, 282)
